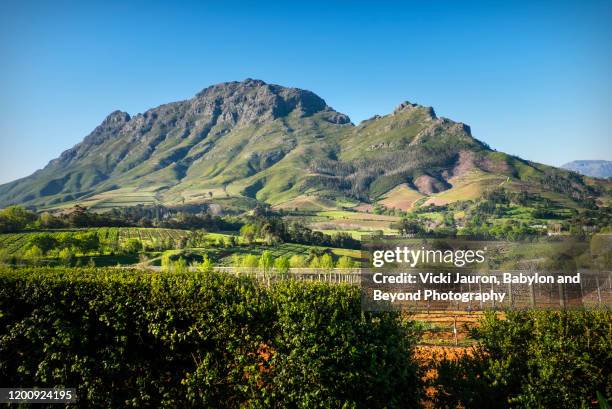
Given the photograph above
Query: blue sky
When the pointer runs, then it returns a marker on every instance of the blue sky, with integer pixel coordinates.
(530, 78)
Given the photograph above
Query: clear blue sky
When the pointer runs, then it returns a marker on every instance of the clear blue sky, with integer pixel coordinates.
(531, 78)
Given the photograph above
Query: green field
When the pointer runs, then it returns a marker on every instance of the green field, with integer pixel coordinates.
(110, 237)
(192, 246)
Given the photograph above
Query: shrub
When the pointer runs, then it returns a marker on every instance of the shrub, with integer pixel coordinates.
(533, 359)
(135, 339)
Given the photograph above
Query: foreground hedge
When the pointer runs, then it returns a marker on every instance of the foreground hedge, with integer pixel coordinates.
(133, 339)
(532, 359)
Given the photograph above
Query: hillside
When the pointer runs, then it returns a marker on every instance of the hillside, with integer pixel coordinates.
(593, 168)
(238, 143)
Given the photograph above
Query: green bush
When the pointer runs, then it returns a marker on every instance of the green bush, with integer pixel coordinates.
(136, 339)
(532, 359)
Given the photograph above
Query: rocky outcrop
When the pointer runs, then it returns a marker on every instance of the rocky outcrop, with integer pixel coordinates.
(255, 102)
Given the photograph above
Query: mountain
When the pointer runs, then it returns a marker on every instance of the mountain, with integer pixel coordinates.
(238, 143)
(594, 168)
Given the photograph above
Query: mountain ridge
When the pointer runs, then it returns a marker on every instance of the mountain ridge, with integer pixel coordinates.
(593, 168)
(237, 143)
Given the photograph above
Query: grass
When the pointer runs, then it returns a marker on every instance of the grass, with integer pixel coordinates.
(401, 197)
(466, 187)
(354, 223)
(340, 214)
(356, 234)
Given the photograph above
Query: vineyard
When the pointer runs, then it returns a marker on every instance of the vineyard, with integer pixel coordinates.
(110, 237)
(128, 338)
(225, 255)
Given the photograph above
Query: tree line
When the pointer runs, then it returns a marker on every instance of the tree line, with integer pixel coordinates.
(17, 218)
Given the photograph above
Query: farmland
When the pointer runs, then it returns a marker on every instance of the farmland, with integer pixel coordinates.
(139, 321)
(352, 222)
(152, 243)
(110, 237)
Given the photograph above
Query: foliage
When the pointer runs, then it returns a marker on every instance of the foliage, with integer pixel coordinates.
(315, 262)
(250, 261)
(33, 253)
(281, 264)
(326, 262)
(15, 218)
(532, 359)
(133, 339)
(266, 261)
(132, 246)
(272, 229)
(297, 261)
(206, 266)
(345, 262)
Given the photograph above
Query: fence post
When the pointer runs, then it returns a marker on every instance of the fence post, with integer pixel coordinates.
(598, 290)
(455, 330)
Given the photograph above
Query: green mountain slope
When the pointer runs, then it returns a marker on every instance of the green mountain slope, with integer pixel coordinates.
(241, 142)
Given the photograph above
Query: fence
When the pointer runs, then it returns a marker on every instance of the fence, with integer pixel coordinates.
(335, 275)
(594, 289)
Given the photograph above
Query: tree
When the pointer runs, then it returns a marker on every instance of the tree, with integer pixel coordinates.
(132, 246)
(236, 260)
(44, 242)
(180, 265)
(315, 262)
(66, 255)
(247, 232)
(206, 266)
(166, 262)
(345, 262)
(48, 221)
(250, 261)
(410, 225)
(15, 218)
(327, 262)
(88, 242)
(78, 216)
(266, 261)
(297, 261)
(281, 264)
(232, 241)
(449, 219)
(33, 253)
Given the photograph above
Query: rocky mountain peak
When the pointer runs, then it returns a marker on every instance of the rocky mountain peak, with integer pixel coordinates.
(408, 106)
(254, 102)
(116, 118)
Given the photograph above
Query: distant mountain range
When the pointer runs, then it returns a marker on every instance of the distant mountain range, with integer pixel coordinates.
(594, 168)
(238, 143)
